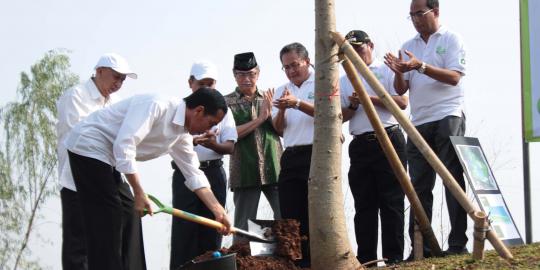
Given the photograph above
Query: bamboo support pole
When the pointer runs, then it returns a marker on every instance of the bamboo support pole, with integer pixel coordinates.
(481, 226)
(393, 158)
(413, 135)
(418, 246)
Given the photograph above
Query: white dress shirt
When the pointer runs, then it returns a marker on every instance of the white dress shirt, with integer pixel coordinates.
(226, 131)
(359, 123)
(139, 128)
(432, 100)
(299, 127)
(74, 105)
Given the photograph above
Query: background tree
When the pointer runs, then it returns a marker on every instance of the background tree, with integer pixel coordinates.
(28, 155)
(330, 248)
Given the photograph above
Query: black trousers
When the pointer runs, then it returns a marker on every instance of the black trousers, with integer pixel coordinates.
(437, 135)
(112, 227)
(189, 239)
(376, 190)
(293, 191)
(73, 237)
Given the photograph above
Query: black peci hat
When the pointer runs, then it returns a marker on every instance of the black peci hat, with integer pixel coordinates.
(244, 61)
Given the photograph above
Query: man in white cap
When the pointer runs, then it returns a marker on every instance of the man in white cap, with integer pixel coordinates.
(73, 106)
(189, 239)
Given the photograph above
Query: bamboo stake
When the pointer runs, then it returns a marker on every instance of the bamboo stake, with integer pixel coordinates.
(393, 158)
(481, 226)
(418, 246)
(447, 178)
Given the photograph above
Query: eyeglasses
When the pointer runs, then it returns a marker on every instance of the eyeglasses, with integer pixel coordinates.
(250, 75)
(293, 65)
(418, 14)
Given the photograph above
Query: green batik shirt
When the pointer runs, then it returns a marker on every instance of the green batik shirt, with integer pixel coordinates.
(255, 160)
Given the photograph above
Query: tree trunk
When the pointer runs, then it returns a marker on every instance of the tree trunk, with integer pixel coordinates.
(330, 248)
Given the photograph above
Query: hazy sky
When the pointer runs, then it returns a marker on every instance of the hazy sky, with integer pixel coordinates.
(161, 39)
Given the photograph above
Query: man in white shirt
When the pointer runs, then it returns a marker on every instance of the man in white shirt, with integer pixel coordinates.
(110, 141)
(432, 72)
(189, 239)
(373, 184)
(292, 117)
(74, 105)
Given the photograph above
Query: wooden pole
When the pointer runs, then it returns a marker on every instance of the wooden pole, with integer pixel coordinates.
(481, 226)
(393, 158)
(418, 246)
(413, 135)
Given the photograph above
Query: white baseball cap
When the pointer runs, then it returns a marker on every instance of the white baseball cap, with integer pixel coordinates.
(117, 63)
(204, 69)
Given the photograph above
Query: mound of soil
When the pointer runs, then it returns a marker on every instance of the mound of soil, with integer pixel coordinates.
(288, 249)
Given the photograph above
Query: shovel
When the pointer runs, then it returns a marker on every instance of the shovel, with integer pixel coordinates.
(207, 222)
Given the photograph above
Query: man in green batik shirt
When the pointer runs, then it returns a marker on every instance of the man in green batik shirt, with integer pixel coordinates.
(254, 165)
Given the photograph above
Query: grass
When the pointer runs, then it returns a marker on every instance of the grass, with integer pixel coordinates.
(525, 257)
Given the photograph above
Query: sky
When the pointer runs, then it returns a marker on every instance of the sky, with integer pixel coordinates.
(161, 39)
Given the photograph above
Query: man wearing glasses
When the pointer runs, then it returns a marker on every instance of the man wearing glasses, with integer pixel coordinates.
(373, 184)
(254, 164)
(292, 117)
(432, 71)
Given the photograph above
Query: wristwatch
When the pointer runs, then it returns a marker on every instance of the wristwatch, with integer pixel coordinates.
(297, 105)
(422, 68)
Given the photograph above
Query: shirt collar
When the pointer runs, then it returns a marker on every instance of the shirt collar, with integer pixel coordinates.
(375, 63)
(94, 91)
(239, 93)
(442, 30)
(180, 115)
(310, 79)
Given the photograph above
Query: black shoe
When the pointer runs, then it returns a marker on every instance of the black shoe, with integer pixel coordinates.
(455, 251)
(390, 262)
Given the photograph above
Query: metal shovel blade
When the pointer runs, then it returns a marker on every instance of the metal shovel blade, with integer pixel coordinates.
(263, 228)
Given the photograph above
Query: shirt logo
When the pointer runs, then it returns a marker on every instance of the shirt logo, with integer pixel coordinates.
(462, 61)
(440, 50)
(379, 76)
(311, 95)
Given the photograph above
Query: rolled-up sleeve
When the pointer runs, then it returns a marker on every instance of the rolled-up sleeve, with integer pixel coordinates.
(136, 125)
(186, 159)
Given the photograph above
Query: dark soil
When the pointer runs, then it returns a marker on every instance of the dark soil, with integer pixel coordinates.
(288, 249)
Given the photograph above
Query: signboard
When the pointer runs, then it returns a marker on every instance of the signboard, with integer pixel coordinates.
(485, 188)
(530, 68)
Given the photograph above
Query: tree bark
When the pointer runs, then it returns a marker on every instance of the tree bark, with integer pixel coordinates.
(330, 248)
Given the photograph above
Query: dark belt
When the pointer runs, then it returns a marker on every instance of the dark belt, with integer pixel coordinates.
(371, 135)
(298, 148)
(204, 164)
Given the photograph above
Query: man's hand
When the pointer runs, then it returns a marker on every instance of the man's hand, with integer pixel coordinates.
(355, 101)
(398, 65)
(207, 139)
(141, 203)
(286, 101)
(266, 108)
(221, 216)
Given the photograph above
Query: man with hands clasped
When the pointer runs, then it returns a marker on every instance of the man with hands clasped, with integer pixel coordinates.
(432, 71)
